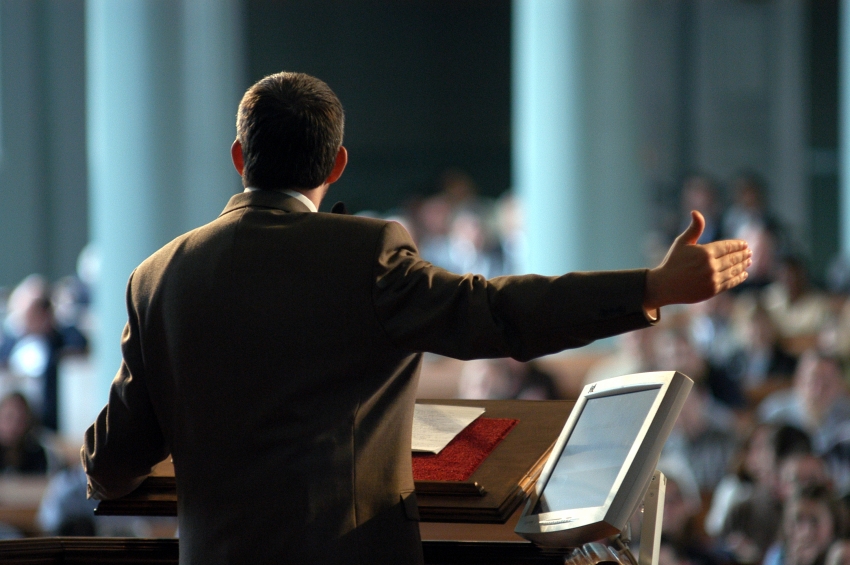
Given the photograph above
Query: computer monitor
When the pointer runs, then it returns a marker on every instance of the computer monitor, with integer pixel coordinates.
(603, 461)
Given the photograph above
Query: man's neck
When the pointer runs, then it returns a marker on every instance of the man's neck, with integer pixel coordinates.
(303, 198)
(309, 198)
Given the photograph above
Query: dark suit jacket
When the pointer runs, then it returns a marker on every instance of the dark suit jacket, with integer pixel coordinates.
(275, 354)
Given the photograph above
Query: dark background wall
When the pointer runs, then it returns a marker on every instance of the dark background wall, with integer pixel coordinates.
(822, 114)
(425, 86)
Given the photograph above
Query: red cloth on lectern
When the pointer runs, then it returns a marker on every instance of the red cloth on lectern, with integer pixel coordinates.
(459, 459)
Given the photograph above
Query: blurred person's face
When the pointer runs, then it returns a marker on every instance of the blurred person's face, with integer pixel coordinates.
(673, 352)
(818, 383)
(467, 227)
(38, 317)
(748, 197)
(14, 421)
(794, 279)
(698, 194)
(692, 419)
(760, 458)
(809, 530)
(760, 331)
(800, 471)
(434, 217)
(483, 378)
(677, 510)
(510, 218)
(762, 245)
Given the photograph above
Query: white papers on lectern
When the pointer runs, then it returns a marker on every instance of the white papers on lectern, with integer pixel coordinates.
(435, 425)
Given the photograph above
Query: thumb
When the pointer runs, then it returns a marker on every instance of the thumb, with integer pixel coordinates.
(694, 231)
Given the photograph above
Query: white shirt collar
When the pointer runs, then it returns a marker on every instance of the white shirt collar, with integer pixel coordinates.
(294, 194)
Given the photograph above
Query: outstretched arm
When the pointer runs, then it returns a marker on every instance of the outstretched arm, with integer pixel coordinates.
(692, 272)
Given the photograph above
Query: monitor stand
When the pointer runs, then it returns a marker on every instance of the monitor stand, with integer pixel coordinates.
(602, 553)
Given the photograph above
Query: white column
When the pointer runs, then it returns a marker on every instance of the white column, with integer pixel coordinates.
(157, 137)
(214, 79)
(574, 141)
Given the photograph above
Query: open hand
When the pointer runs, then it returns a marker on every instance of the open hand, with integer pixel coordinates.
(692, 272)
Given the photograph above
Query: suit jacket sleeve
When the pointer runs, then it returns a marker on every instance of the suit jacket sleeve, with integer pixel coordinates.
(424, 308)
(125, 441)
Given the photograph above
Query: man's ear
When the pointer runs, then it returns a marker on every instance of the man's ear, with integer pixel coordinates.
(339, 165)
(236, 155)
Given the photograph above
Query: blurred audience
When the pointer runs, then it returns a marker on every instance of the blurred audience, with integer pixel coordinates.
(812, 520)
(21, 452)
(65, 509)
(682, 536)
(818, 402)
(505, 379)
(798, 310)
(33, 341)
(759, 364)
(705, 437)
(747, 504)
(761, 450)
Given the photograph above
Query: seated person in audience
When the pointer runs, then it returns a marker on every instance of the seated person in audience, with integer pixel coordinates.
(33, 342)
(752, 523)
(798, 310)
(711, 329)
(766, 250)
(801, 470)
(64, 508)
(749, 205)
(746, 507)
(20, 450)
(705, 433)
(705, 436)
(760, 365)
(681, 532)
(818, 402)
(673, 348)
(812, 520)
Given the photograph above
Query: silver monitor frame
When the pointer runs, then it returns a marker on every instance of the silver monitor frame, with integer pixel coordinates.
(573, 527)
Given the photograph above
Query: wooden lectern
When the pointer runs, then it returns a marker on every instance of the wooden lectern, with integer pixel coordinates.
(469, 521)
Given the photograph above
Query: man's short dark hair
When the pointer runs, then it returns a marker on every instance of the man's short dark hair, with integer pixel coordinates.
(290, 127)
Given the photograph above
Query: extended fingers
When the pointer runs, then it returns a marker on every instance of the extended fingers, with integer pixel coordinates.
(737, 276)
(742, 258)
(731, 270)
(718, 249)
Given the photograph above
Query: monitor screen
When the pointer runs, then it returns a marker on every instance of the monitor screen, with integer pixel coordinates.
(595, 451)
(602, 462)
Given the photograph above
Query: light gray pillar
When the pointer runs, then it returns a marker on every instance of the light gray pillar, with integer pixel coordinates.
(157, 106)
(574, 137)
(43, 188)
(24, 245)
(214, 83)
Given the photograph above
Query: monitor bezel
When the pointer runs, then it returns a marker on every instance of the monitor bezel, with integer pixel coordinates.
(576, 526)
